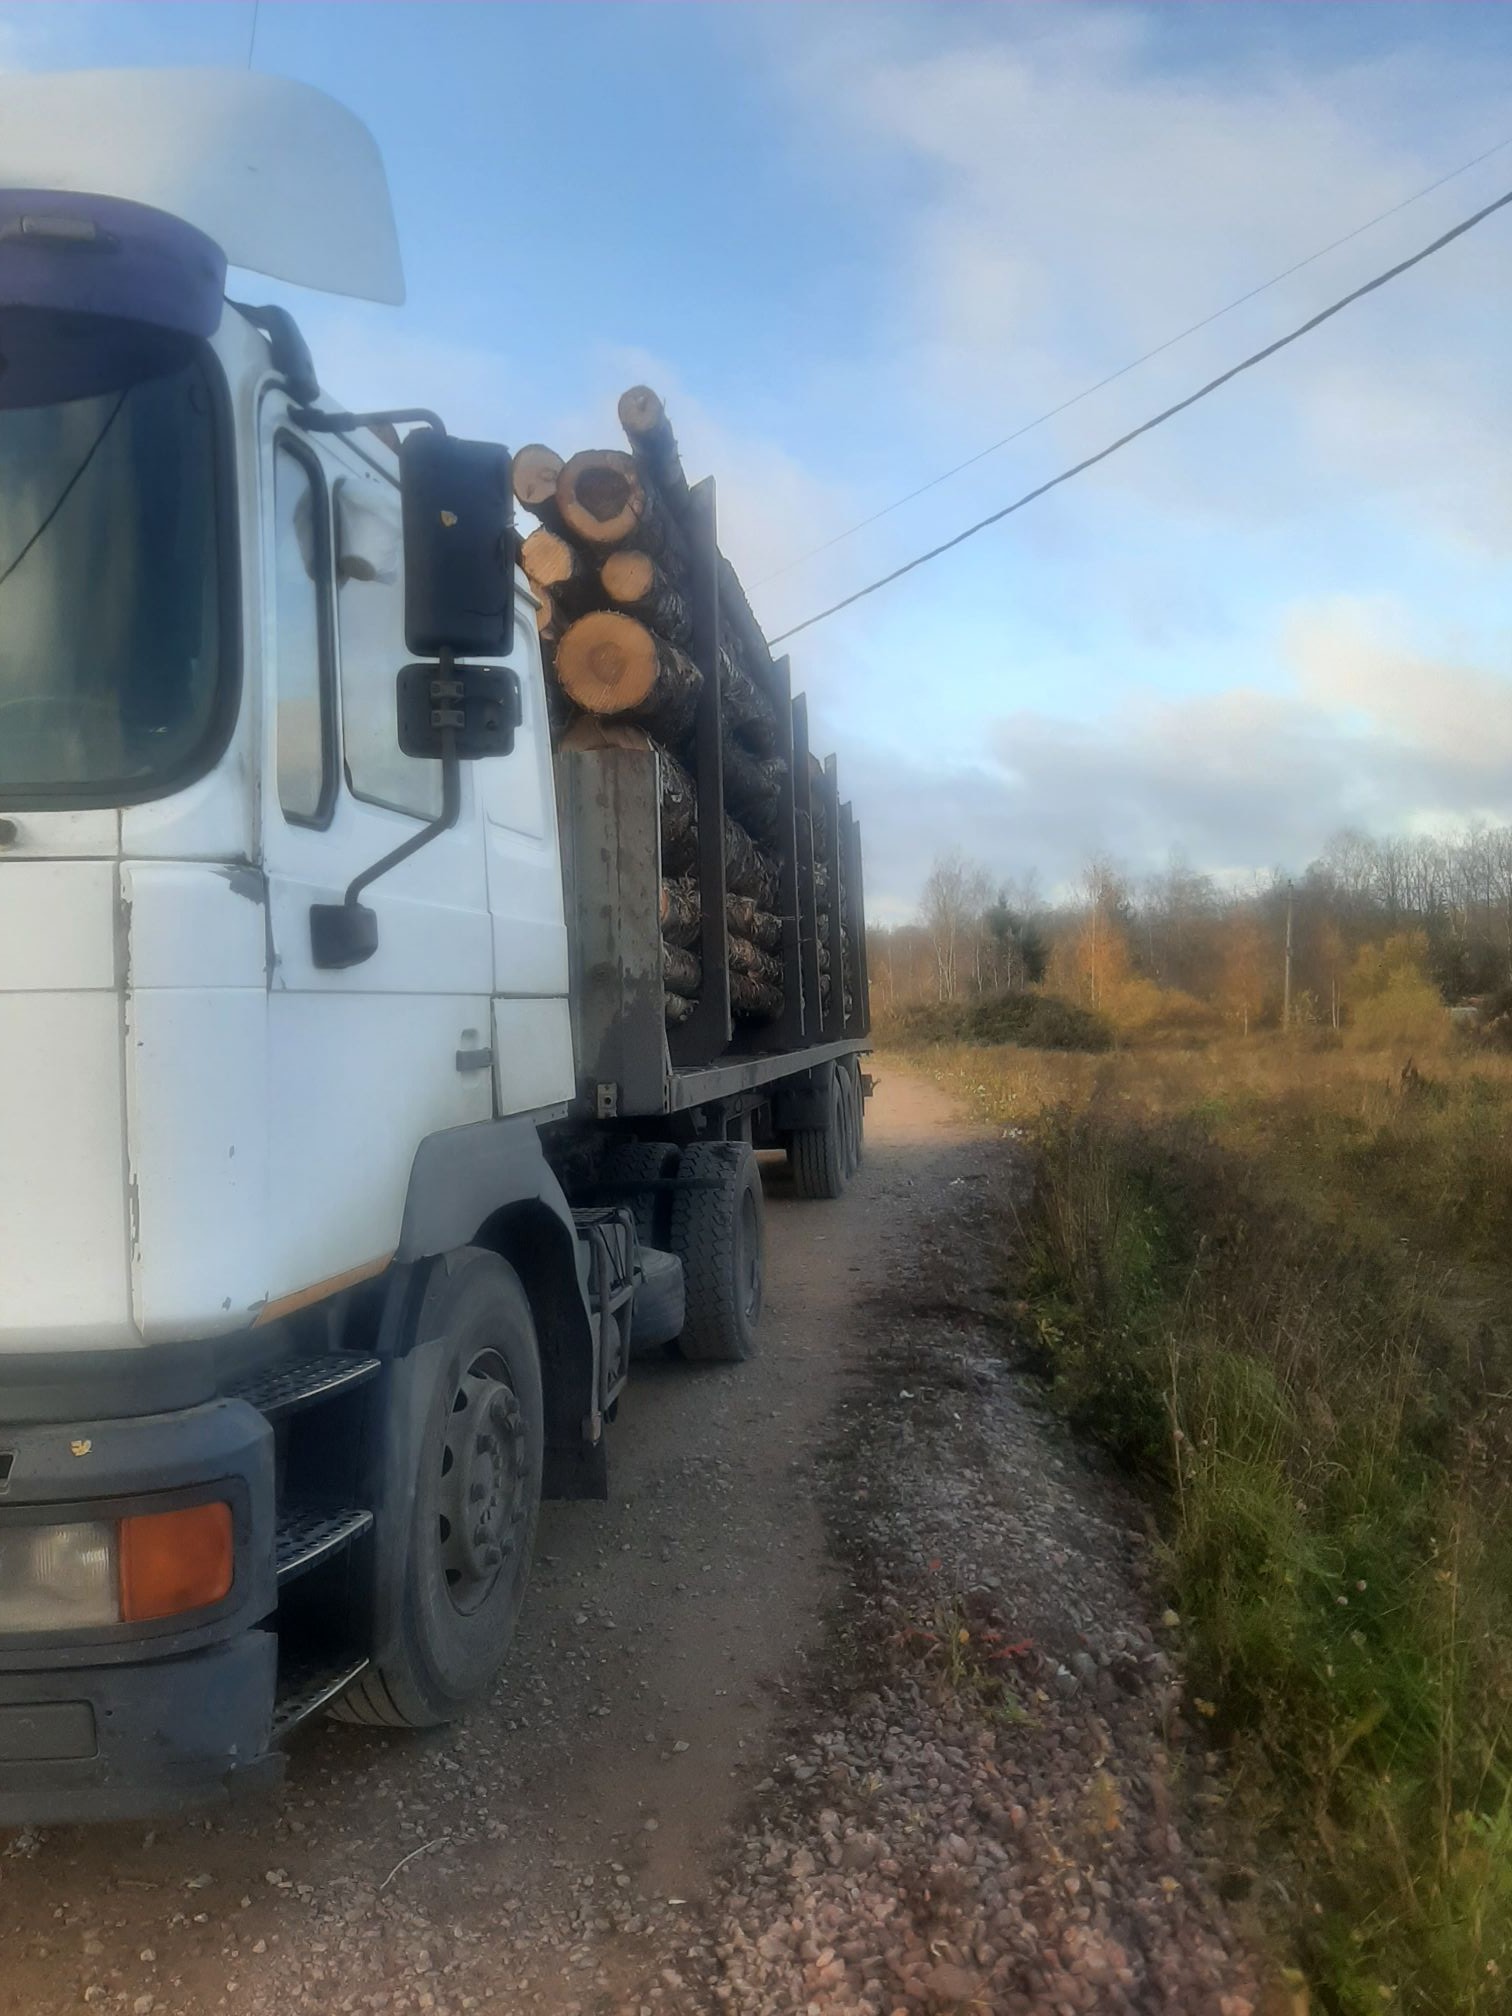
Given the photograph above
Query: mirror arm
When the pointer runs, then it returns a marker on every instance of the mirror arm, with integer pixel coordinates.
(313, 421)
(346, 933)
(451, 806)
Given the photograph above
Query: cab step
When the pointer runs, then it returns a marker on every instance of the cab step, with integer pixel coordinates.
(309, 1534)
(305, 1686)
(304, 1382)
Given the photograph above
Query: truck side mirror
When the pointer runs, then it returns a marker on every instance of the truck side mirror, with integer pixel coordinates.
(459, 559)
(480, 704)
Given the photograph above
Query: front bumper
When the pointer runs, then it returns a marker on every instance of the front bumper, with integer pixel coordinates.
(130, 1720)
(129, 1742)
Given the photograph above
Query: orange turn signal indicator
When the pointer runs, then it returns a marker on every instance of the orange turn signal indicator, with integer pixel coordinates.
(172, 1562)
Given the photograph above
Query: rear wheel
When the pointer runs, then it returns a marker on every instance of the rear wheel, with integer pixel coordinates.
(634, 1162)
(817, 1155)
(717, 1233)
(476, 1496)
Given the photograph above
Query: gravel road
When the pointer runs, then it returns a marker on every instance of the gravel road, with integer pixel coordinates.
(721, 1770)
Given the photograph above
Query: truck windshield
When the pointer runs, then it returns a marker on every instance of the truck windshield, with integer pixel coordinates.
(109, 592)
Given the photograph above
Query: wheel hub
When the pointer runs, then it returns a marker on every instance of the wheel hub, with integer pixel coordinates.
(482, 1484)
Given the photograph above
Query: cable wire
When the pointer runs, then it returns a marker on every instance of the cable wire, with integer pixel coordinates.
(1133, 365)
(67, 490)
(1159, 419)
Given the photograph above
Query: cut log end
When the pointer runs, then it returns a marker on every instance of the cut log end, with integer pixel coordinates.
(607, 663)
(536, 469)
(600, 497)
(641, 412)
(628, 576)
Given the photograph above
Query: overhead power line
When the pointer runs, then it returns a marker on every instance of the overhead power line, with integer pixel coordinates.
(1134, 363)
(1158, 420)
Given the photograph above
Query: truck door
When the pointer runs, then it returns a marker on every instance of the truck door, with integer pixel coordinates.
(362, 1062)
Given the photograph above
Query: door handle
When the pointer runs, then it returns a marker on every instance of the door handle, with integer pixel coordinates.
(474, 1060)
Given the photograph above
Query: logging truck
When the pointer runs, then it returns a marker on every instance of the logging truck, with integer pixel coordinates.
(404, 954)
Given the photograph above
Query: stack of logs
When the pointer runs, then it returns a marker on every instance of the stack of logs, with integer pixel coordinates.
(610, 566)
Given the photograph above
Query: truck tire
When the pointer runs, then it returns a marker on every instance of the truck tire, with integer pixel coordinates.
(630, 1162)
(476, 1498)
(717, 1234)
(816, 1155)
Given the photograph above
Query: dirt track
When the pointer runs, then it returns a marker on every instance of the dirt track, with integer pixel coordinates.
(563, 1826)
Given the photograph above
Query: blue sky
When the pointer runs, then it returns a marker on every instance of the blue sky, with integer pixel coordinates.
(853, 244)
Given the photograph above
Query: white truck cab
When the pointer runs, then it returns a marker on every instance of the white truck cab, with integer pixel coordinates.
(322, 1251)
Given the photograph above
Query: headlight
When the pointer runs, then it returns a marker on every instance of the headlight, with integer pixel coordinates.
(78, 1575)
(59, 1578)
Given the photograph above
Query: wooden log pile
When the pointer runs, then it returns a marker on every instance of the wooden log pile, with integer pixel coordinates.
(610, 564)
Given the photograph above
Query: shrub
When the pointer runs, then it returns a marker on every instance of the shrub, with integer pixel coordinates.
(1030, 1020)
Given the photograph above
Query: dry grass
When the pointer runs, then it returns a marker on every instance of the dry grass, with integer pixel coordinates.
(1429, 1161)
(1275, 1280)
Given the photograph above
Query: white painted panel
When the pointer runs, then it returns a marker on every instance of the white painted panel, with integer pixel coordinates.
(286, 180)
(63, 1275)
(532, 1045)
(63, 835)
(195, 924)
(209, 820)
(57, 927)
(356, 1082)
(196, 1102)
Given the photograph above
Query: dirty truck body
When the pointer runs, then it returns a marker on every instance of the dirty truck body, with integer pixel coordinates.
(333, 1214)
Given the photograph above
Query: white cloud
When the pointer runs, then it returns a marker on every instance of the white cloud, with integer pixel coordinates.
(1075, 202)
(1369, 733)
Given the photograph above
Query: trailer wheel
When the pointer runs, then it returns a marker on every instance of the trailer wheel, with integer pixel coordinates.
(476, 1497)
(817, 1155)
(717, 1233)
(631, 1162)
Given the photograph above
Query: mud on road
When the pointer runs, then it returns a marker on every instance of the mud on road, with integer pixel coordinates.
(658, 1784)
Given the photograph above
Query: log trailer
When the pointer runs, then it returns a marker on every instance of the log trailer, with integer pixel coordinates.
(373, 1081)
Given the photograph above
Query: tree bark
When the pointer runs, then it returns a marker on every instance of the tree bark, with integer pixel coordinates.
(742, 620)
(610, 664)
(679, 800)
(555, 564)
(536, 469)
(749, 870)
(753, 1000)
(746, 921)
(649, 432)
(676, 1010)
(744, 708)
(751, 960)
(604, 503)
(681, 916)
(682, 971)
(752, 786)
(633, 582)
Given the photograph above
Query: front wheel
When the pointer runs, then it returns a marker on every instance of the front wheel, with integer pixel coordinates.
(476, 1498)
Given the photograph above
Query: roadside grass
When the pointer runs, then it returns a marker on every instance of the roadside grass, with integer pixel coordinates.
(1273, 1280)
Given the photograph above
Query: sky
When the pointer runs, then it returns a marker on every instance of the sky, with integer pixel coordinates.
(853, 245)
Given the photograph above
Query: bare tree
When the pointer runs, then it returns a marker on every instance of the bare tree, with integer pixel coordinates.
(947, 918)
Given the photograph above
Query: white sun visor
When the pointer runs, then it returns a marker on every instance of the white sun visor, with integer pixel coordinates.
(286, 181)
